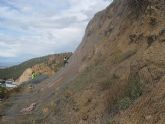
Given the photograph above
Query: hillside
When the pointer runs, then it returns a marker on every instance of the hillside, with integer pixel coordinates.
(116, 75)
(51, 62)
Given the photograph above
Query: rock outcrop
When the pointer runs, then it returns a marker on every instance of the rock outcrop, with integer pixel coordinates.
(25, 76)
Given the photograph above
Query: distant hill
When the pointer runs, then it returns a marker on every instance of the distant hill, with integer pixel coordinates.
(8, 64)
(54, 62)
(1, 67)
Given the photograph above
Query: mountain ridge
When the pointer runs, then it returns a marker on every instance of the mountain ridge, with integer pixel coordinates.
(16, 71)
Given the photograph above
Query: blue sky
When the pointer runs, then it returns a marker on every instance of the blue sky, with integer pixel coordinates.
(32, 28)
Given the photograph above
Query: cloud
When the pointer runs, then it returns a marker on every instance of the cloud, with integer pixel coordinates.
(39, 27)
(8, 50)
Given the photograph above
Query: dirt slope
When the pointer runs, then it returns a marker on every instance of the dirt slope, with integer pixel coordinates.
(25, 76)
(116, 75)
(41, 68)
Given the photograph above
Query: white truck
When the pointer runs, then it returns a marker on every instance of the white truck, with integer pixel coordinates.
(10, 84)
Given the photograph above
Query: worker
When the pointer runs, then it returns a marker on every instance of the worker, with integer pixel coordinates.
(33, 75)
(65, 60)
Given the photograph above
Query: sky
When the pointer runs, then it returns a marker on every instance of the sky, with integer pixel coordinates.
(33, 28)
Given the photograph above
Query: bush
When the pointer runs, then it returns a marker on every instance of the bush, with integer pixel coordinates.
(135, 89)
(151, 39)
(3, 92)
(124, 103)
(162, 31)
(153, 21)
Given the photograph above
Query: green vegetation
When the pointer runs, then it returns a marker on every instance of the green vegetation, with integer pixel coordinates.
(135, 89)
(15, 71)
(124, 97)
(162, 31)
(3, 92)
(124, 103)
(111, 122)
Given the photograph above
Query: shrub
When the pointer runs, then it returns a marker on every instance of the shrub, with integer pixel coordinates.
(153, 21)
(135, 89)
(124, 103)
(3, 92)
(162, 31)
(110, 122)
(151, 39)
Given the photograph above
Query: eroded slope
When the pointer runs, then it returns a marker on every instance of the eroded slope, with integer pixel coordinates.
(116, 74)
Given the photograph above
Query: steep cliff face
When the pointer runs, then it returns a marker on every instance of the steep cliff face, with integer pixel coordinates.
(116, 75)
(121, 65)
